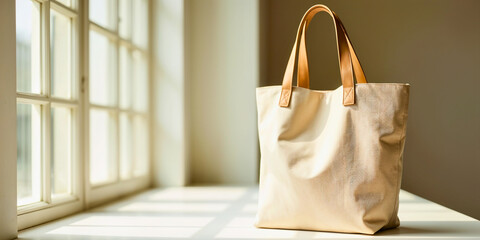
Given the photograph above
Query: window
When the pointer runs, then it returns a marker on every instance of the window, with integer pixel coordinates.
(47, 104)
(82, 109)
(117, 105)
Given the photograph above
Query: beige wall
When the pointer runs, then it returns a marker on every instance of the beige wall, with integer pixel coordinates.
(8, 134)
(223, 74)
(434, 46)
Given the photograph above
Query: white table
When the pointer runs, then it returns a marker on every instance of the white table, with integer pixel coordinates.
(225, 212)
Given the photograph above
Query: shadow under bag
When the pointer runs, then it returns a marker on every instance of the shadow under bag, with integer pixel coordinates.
(331, 160)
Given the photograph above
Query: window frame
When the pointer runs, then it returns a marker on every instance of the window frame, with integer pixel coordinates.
(86, 195)
(104, 192)
(48, 209)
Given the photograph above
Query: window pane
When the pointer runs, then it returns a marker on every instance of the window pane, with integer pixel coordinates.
(102, 12)
(28, 153)
(140, 145)
(61, 150)
(60, 54)
(102, 69)
(126, 146)
(125, 18)
(102, 147)
(126, 87)
(140, 82)
(28, 46)
(140, 21)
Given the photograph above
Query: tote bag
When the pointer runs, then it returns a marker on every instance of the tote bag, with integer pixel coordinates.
(330, 160)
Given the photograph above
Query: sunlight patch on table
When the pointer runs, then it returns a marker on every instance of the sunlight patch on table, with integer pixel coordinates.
(142, 221)
(173, 207)
(199, 194)
(250, 208)
(254, 233)
(164, 232)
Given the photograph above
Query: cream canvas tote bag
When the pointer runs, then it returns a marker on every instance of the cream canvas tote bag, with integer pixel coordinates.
(330, 160)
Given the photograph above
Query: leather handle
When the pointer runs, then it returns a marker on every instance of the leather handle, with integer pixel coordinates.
(345, 60)
(303, 78)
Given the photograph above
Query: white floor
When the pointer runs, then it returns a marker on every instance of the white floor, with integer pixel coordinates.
(228, 213)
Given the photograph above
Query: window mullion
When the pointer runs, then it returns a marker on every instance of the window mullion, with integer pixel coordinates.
(131, 47)
(45, 43)
(117, 102)
(47, 196)
(150, 55)
(45, 16)
(85, 96)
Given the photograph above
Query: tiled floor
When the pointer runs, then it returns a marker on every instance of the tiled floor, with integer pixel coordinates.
(227, 213)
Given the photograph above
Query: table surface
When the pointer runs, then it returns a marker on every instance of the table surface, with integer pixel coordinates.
(228, 212)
